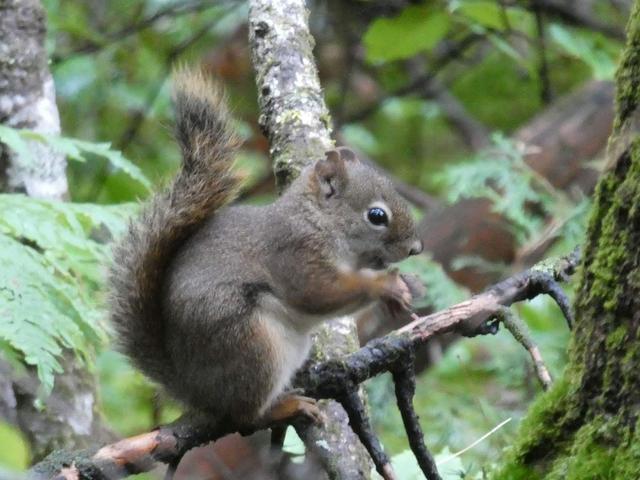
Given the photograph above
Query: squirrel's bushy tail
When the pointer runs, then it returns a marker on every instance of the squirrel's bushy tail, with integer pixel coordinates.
(204, 183)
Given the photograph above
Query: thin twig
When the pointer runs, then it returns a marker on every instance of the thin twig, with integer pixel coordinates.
(543, 65)
(572, 16)
(171, 470)
(404, 378)
(521, 333)
(360, 424)
(173, 11)
(447, 56)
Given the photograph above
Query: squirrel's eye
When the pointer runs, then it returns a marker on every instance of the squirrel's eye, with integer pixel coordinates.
(377, 216)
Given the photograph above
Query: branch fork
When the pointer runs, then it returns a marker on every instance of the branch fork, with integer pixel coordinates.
(339, 379)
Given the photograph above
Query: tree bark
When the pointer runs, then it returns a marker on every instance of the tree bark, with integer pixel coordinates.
(587, 426)
(296, 121)
(27, 100)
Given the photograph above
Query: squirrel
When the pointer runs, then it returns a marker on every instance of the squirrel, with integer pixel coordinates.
(216, 302)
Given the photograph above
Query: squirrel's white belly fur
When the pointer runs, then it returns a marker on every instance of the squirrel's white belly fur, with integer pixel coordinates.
(289, 332)
(289, 350)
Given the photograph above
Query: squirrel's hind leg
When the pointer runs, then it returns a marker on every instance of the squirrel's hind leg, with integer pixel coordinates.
(290, 407)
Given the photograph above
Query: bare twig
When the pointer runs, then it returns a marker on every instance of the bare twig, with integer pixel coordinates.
(138, 118)
(404, 378)
(325, 380)
(573, 16)
(445, 57)
(173, 11)
(543, 66)
(359, 421)
(521, 333)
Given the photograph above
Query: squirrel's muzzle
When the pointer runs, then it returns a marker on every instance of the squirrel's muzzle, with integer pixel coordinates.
(416, 247)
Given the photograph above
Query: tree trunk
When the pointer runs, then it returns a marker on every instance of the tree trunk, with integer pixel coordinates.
(295, 119)
(27, 100)
(587, 426)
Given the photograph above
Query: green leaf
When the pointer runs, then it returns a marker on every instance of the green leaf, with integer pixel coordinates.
(593, 49)
(483, 12)
(72, 148)
(12, 139)
(486, 14)
(416, 29)
(52, 260)
(116, 159)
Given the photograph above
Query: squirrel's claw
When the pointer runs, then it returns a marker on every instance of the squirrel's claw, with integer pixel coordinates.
(397, 293)
(291, 407)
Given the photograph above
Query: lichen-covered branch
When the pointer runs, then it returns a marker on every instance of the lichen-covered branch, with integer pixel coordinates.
(331, 379)
(295, 119)
(293, 114)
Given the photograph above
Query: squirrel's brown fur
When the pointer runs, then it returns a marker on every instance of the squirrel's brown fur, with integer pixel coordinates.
(204, 183)
(217, 302)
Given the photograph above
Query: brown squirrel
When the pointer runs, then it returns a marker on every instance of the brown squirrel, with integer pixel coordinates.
(215, 302)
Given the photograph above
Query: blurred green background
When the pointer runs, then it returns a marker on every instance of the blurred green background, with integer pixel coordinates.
(501, 63)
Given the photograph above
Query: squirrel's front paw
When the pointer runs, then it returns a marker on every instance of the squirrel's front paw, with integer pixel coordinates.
(395, 292)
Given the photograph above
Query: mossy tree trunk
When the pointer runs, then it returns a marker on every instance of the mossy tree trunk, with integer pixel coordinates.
(587, 426)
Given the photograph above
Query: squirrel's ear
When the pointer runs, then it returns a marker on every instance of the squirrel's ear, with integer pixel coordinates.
(331, 173)
(347, 154)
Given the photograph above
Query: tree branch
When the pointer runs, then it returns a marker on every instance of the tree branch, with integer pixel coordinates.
(296, 121)
(449, 53)
(404, 378)
(332, 379)
(573, 16)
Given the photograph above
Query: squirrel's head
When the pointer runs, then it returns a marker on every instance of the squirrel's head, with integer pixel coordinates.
(372, 222)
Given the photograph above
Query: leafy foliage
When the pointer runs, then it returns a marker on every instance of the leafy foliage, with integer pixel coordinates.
(594, 50)
(501, 175)
(417, 28)
(52, 257)
(17, 140)
(110, 62)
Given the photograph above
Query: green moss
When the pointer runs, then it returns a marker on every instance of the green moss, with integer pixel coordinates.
(543, 427)
(601, 449)
(590, 455)
(628, 75)
(627, 459)
(586, 427)
(616, 338)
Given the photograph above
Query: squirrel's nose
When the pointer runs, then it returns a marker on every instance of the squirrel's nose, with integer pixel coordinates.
(416, 248)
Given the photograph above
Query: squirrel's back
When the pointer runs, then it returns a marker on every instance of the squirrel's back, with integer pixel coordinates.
(204, 183)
